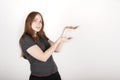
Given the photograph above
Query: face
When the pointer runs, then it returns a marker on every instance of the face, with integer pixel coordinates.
(37, 23)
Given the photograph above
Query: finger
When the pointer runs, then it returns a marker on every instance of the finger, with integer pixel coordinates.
(69, 38)
(75, 27)
(71, 27)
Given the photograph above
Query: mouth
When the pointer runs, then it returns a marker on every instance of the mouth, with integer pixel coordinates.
(38, 27)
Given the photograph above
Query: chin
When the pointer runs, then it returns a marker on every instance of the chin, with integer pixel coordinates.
(37, 30)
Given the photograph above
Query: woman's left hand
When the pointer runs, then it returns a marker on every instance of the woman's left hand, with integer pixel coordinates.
(68, 28)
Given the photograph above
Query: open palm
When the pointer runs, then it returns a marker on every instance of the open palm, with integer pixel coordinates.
(67, 29)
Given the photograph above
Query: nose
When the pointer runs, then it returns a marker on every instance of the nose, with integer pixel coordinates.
(38, 23)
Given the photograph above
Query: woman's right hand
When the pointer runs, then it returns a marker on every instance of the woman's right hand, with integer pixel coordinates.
(64, 39)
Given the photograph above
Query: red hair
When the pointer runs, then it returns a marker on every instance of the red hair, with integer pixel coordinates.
(28, 29)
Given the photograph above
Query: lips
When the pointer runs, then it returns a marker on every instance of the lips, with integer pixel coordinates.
(37, 27)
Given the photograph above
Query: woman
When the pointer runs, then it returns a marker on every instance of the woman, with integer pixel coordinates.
(38, 49)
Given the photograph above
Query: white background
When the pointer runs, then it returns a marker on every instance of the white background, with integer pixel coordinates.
(94, 52)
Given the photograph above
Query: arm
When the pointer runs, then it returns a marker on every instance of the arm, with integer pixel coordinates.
(58, 48)
(37, 53)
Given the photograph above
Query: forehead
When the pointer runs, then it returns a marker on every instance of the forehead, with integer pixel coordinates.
(38, 17)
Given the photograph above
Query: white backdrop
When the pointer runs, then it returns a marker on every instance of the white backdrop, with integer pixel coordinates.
(94, 52)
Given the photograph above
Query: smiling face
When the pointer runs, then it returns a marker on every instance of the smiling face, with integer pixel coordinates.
(37, 23)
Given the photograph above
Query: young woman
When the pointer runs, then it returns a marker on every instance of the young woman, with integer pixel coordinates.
(37, 48)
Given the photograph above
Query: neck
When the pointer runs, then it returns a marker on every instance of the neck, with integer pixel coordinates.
(35, 34)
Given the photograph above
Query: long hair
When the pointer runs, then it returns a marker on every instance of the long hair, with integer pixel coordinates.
(29, 31)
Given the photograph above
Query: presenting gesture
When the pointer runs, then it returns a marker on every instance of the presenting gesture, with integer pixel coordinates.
(66, 29)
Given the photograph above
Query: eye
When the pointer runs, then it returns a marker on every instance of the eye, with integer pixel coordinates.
(36, 20)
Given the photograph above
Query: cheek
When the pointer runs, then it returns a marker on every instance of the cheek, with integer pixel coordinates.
(41, 24)
(33, 26)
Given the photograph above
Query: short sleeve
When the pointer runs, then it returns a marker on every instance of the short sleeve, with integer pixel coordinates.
(26, 41)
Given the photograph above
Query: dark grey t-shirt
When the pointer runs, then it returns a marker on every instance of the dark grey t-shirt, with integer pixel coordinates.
(38, 67)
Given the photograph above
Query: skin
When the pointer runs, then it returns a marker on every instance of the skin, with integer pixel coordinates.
(36, 51)
(37, 23)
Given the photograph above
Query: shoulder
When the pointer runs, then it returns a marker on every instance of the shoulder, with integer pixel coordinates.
(26, 38)
(26, 41)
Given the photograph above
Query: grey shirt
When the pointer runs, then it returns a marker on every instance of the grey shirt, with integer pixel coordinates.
(38, 67)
